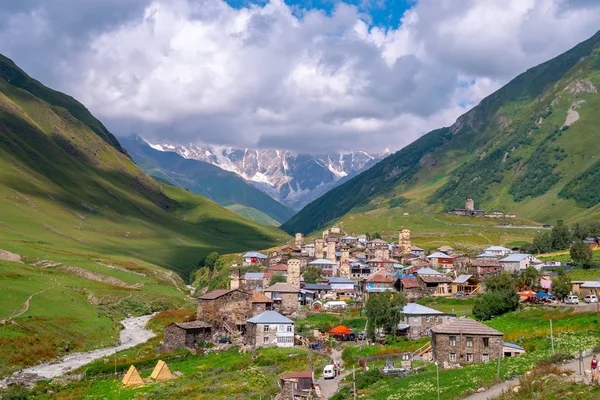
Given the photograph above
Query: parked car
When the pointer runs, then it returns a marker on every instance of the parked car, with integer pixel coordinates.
(329, 371)
(459, 294)
(361, 336)
(224, 340)
(591, 298)
(570, 299)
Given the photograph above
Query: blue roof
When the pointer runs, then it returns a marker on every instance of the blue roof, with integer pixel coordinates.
(497, 248)
(515, 257)
(512, 345)
(427, 271)
(334, 279)
(486, 255)
(322, 261)
(254, 254)
(417, 309)
(270, 317)
(317, 286)
(254, 275)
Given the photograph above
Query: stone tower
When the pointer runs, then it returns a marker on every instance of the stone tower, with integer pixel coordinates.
(345, 263)
(345, 256)
(235, 279)
(331, 251)
(319, 248)
(404, 241)
(293, 272)
(299, 240)
(470, 205)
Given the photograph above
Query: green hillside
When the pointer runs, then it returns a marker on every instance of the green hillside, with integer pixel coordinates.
(223, 187)
(530, 148)
(97, 238)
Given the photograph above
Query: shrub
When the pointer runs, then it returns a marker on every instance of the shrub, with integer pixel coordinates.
(555, 358)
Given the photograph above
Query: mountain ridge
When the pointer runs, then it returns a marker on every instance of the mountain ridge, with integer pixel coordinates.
(489, 153)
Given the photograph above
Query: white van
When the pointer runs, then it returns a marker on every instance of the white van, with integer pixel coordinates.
(329, 372)
(570, 299)
(591, 298)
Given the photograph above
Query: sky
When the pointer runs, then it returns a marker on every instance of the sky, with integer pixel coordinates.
(307, 76)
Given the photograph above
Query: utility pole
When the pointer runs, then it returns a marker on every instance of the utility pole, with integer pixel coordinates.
(437, 374)
(551, 337)
(354, 382)
(499, 358)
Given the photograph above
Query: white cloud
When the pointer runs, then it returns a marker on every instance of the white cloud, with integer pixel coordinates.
(188, 70)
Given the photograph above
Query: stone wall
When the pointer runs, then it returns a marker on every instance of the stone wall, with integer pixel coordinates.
(442, 348)
(419, 324)
(293, 273)
(319, 243)
(176, 337)
(289, 302)
(234, 307)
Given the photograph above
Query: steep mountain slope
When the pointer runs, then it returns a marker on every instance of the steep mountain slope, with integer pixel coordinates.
(292, 179)
(222, 187)
(65, 182)
(530, 148)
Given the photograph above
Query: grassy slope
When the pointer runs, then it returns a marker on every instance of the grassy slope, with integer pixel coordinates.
(70, 194)
(489, 154)
(223, 187)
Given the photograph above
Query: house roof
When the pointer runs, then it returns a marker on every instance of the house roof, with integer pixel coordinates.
(515, 258)
(445, 248)
(512, 346)
(192, 325)
(279, 267)
(382, 260)
(258, 297)
(215, 294)
(341, 279)
(438, 254)
(416, 248)
(317, 286)
(254, 254)
(417, 309)
(282, 288)
(298, 375)
(427, 271)
(591, 284)
(322, 261)
(497, 248)
(485, 262)
(410, 283)
(462, 279)
(257, 275)
(379, 241)
(435, 278)
(381, 277)
(270, 317)
(465, 325)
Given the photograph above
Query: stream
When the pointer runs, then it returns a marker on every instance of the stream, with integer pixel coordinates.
(134, 333)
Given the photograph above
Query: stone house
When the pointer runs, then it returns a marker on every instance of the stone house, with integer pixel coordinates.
(379, 282)
(260, 303)
(278, 269)
(411, 288)
(254, 258)
(418, 320)
(255, 281)
(515, 263)
(441, 260)
(434, 283)
(329, 267)
(186, 334)
(231, 307)
(446, 250)
(378, 264)
(344, 288)
(296, 385)
(285, 297)
(465, 341)
(417, 251)
(319, 289)
(484, 267)
(498, 251)
(270, 329)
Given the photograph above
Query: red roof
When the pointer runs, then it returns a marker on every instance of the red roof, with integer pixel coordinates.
(410, 283)
(278, 267)
(380, 278)
(340, 330)
(301, 374)
(215, 294)
(258, 297)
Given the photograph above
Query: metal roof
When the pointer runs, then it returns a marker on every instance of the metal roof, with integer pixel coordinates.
(257, 275)
(512, 346)
(515, 258)
(341, 279)
(322, 261)
(497, 248)
(427, 271)
(270, 317)
(438, 254)
(254, 254)
(417, 309)
(465, 326)
(486, 255)
(317, 286)
(462, 279)
(591, 284)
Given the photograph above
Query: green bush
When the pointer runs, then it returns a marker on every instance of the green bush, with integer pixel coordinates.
(556, 358)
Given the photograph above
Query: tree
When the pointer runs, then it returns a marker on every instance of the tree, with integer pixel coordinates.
(384, 310)
(377, 235)
(581, 254)
(500, 298)
(530, 278)
(542, 243)
(561, 236)
(211, 260)
(277, 278)
(561, 284)
(312, 274)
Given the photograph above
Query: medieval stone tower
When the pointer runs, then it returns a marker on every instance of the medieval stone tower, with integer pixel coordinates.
(293, 272)
(470, 205)
(299, 240)
(404, 241)
(235, 279)
(331, 251)
(319, 248)
(345, 263)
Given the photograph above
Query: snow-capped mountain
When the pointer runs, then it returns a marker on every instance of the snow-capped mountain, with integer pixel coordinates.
(293, 179)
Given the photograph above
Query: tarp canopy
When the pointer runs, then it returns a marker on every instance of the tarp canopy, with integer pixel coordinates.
(340, 330)
(527, 293)
(542, 294)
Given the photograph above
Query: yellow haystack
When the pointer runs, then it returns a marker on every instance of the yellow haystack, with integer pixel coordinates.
(161, 372)
(132, 377)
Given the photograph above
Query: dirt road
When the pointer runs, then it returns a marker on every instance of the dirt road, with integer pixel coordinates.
(134, 333)
(329, 387)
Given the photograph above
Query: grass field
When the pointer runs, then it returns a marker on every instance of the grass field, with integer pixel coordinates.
(459, 307)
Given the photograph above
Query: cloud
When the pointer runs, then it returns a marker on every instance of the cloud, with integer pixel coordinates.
(269, 75)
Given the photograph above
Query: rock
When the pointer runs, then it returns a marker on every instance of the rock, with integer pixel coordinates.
(563, 375)
(481, 390)
(528, 373)
(516, 389)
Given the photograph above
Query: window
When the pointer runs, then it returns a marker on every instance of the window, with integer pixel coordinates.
(469, 341)
(289, 328)
(469, 357)
(452, 340)
(266, 328)
(265, 340)
(428, 319)
(435, 319)
(485, 357)
(486, 342)
(452, 357)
